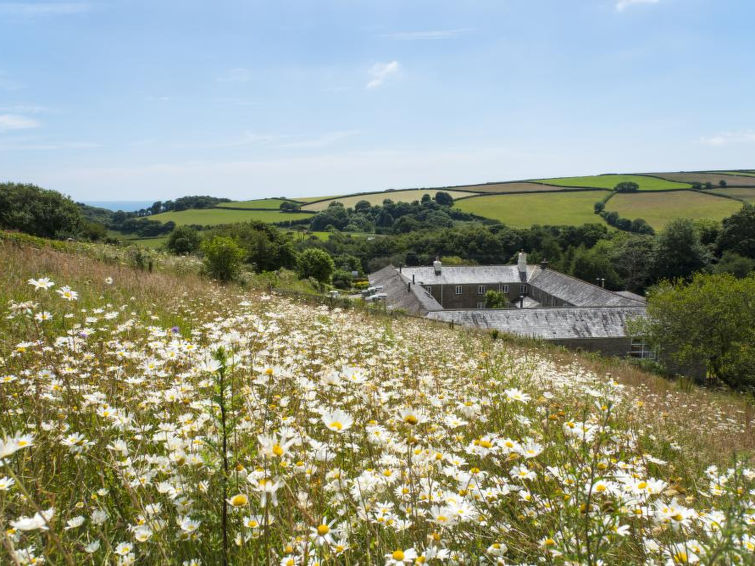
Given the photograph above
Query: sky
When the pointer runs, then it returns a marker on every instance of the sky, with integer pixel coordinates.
(156, 99)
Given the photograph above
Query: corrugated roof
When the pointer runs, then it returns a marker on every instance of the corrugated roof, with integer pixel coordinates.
(630, 295)
(400, 295)
(577, 292)
(466, 275)
(548, 323)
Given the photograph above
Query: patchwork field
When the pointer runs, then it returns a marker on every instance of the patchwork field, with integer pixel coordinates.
(212, 216)
(743, 193)
(514, 188)
(742, 173)
(544, 208)
(268, 203)
(378, 198)
(610, 181)
(658, 209)
(708, 178)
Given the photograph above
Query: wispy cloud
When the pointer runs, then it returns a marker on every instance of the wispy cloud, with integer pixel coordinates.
(51, 146)
(380, 72)
(324, 140)
(31, 9)
(10, 122)
(622, 5)
(729, 138)
(24, 109)
(426, 35)
(236, 75)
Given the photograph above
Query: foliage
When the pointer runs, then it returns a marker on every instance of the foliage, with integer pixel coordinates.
(737, 265)
(38, 212)
(342, 279)
(288, 206)
(315, 263)
(184, 240)
(266, 248)
(678, 252)
(444, 199)
(738, 232)
(626, 187)
(223, 257)
(495, 300)
(709, 322)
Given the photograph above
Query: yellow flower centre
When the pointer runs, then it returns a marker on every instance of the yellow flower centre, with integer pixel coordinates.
(239, 500)
(642, 485)
(277, 450)
(398, 555)
(411, 419)
(335, 425)
(323, 530)
(486, 443)
(600, 488)
(550, 542)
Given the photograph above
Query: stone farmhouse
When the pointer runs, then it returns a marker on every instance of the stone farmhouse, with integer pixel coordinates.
(543, 303)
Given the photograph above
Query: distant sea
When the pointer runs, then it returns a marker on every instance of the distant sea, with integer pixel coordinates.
(124, 205)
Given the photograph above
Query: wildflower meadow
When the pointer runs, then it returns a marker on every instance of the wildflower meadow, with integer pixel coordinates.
(159, 418)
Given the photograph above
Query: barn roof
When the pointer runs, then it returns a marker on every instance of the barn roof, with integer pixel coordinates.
(548, 323)
(400, 294)
(465, 275)
(577, 292)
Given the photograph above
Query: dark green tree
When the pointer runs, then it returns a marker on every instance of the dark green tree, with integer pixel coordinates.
(627, 187)
(495, 300)
(444, 199)
(40, 212)
(183, 240)
(316, 263)
(738, 233)
(678, 252)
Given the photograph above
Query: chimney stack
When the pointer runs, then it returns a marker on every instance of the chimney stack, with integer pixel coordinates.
(437, 266)
(522, 263)
(544, 264)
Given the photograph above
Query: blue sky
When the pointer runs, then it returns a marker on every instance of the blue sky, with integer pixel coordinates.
(140, 100)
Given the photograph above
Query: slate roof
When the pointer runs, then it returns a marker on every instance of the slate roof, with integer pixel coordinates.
(577, 292)
(400, 295)
(630, 295)
(466, 275)
(548, 323)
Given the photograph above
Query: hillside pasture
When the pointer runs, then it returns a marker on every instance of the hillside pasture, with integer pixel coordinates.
(658, 209)
(215, 216)
(267, 203)
(742, 193)
(502, 188)
(741, 173)
(610, 181)
(713, 178)
(378, 198)
(523, 210)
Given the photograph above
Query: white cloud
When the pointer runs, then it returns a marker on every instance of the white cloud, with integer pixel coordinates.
(621, 5)
(54, 146)
(425, 35)
(31, 9)
(380, 72)
(729, 138)
(16, 122)
(236, 75)
(24, 109)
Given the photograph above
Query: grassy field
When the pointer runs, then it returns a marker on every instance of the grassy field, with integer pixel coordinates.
(378, 198)
(740, 173)
(574, 208)
(213, 216)
(499, 188)
(610, 181)
(708, 178)
(268, 203)
(152, 418)
(746, 194)
(658, 209)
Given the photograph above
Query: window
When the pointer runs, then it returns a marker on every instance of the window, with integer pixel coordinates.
(523, 289)
(459, 289)
(481, 289)
(480, 305)
(503, 288)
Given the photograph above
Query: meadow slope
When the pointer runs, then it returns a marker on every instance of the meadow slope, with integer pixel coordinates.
(158, 418)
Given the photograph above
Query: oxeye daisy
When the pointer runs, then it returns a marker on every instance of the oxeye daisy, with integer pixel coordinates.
(338, 420)
(238, 500)
(398, 557)
(324, 532)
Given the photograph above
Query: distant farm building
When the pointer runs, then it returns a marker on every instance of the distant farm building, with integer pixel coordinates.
(542, 303)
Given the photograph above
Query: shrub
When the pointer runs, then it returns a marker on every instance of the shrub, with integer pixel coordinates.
(183, 240)
(223, 257)
(316, 263)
